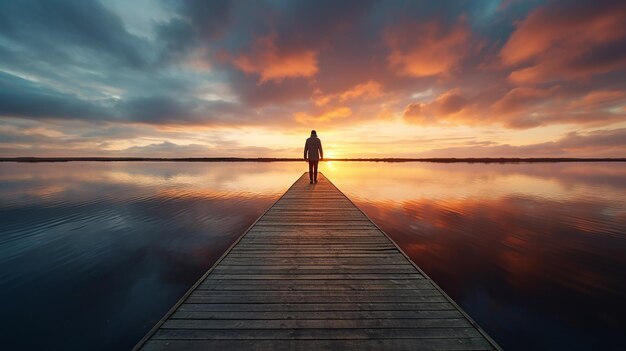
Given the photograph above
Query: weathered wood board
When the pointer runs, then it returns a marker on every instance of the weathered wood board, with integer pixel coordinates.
(314, 273)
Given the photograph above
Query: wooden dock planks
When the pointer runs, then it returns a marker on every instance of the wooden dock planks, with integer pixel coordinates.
(314, 273)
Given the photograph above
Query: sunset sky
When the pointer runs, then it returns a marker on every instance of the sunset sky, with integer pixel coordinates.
(251, 78)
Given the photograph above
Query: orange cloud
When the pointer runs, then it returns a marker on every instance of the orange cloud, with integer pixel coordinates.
(427, 49)
(520, 108)
(599, 99)
(321, 99)
(339, 112)
(368, 90)
(445, 107)
(520, 99)
(526, 107)
(567, 41)
(271, 63)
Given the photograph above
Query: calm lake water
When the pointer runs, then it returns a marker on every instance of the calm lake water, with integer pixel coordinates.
(93, 254)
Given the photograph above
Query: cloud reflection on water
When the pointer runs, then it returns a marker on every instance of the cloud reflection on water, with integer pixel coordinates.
(100, 251)
(533, 252)
(526, 249)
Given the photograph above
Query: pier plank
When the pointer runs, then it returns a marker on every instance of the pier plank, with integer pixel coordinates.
(314, 273)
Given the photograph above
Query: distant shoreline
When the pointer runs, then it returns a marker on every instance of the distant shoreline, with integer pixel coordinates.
(274, 159)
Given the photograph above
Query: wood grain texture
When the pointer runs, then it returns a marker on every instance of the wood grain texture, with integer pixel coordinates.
(314, 273)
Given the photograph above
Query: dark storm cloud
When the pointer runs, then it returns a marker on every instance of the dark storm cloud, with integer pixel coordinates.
(82, 63)
(164, 109)
(198, 22)
(207, 18)
(22, 138)
(23, 98)
(48, 28)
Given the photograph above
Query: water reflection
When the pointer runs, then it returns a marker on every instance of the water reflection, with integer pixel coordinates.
(93, 254)
(534, 252)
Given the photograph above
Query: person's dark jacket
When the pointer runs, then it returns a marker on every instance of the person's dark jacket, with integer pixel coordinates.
(313, 149)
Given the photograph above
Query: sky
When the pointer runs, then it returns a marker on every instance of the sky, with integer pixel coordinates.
(174, 78)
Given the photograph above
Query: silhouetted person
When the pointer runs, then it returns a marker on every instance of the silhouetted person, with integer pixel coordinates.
(313, 154)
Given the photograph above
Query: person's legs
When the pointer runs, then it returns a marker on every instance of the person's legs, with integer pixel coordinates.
(315, 171)
(311, 170)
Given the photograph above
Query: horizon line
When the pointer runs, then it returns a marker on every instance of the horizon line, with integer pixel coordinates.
(34, 159)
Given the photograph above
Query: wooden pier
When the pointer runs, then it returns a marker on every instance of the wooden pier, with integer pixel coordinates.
(314, 273)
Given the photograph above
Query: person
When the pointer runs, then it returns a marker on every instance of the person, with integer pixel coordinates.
(313, 154)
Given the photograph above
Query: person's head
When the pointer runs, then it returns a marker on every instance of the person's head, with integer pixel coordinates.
(313, 133)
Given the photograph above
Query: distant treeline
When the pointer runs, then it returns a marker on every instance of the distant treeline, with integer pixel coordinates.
(273, 159)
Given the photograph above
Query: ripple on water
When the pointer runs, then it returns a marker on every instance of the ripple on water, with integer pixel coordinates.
(533, 252)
